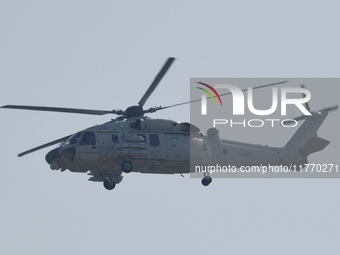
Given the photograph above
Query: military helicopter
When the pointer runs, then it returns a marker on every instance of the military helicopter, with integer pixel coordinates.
(133, 142)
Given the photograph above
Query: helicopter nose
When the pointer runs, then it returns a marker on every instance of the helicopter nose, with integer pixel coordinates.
(52, 155)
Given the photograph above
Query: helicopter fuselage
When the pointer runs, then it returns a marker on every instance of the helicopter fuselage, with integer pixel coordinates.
(155, 146)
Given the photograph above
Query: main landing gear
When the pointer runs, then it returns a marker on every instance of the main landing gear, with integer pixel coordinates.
(111, 180)
(126, 167)
(109, 184)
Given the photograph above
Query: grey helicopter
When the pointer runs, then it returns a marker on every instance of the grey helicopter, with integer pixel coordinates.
(133, 142)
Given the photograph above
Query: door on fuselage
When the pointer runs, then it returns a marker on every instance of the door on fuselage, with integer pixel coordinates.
(177, 148)
(88, 148)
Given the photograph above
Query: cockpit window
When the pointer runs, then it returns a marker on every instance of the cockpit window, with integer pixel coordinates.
(88, 138)
(73, 139)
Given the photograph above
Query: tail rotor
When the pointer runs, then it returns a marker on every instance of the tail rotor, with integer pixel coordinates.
(306, 105)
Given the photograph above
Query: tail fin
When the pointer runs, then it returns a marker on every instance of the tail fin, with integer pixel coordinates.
(305, 140)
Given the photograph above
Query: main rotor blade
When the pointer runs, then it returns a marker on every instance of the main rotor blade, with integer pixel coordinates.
(44, 146)
(225, 94)
(157, 79)
(58, 109)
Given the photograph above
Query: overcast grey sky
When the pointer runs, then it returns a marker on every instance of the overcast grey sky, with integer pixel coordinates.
(104, 55)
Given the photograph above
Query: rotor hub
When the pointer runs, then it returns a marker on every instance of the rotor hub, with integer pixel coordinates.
(134, 111)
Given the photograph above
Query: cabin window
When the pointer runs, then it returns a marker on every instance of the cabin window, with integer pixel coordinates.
(88, 138)
(115, 139)
(154, 140)
(225, 151)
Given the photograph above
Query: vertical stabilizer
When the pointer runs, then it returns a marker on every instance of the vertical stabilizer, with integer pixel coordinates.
(305, 139)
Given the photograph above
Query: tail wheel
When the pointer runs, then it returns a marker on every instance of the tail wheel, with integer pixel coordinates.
(206, 181)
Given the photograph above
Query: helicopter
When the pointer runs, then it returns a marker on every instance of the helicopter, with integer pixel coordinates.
(133, 142)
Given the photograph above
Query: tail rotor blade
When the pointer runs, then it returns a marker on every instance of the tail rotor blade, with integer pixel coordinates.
(329, 109)
(302, 117)
(288, 122)
(305, 104)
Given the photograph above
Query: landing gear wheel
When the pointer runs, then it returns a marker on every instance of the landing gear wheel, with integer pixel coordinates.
(126, 167)
(206, 181)
(109, 184)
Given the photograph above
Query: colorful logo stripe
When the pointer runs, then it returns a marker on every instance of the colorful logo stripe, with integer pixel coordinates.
(209, 93)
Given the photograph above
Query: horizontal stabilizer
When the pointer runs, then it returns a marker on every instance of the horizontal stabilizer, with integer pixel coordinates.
(306, 132)
(315, 144)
